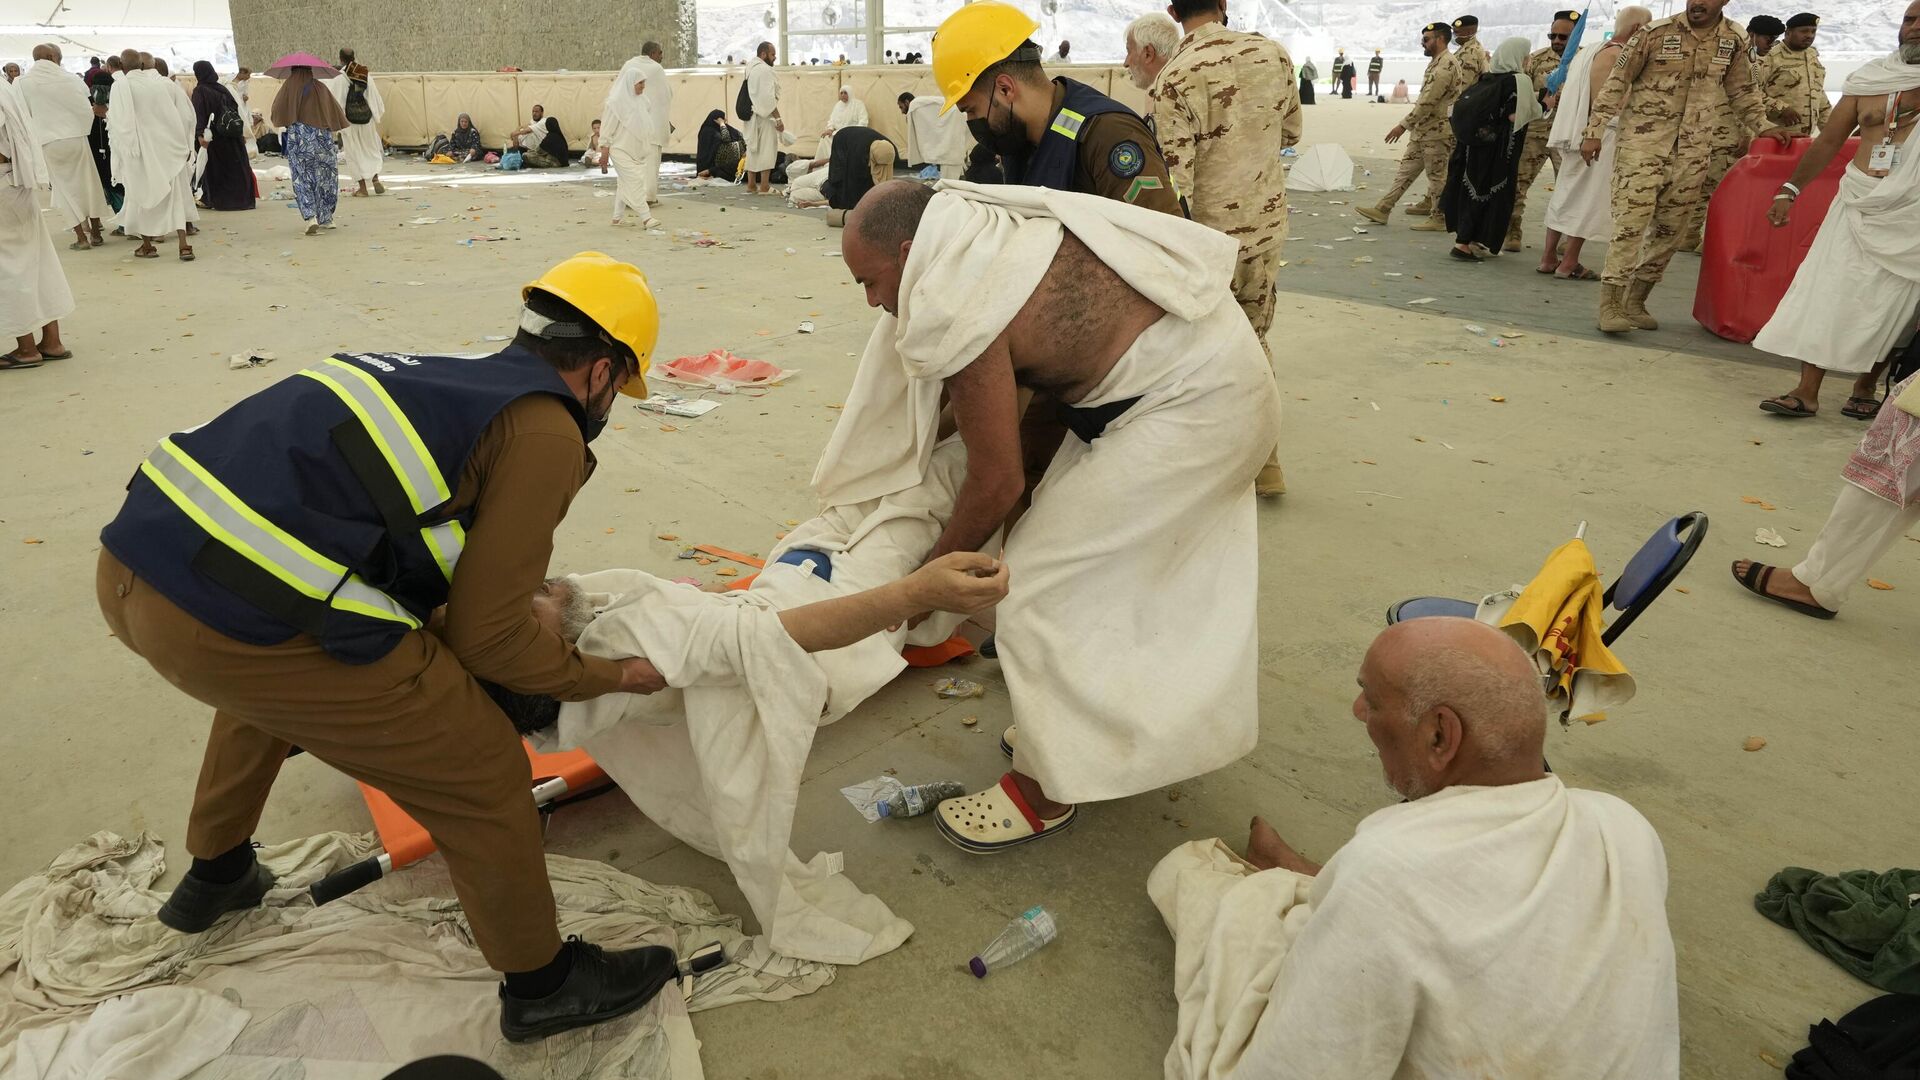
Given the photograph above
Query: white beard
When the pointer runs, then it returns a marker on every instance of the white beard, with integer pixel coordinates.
(1140, 78)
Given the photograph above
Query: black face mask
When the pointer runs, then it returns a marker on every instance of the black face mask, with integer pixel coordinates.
(603, 406)
(1010, 144)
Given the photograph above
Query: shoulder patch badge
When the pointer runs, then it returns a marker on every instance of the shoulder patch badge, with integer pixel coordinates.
(1141, 185)
(1126, 159)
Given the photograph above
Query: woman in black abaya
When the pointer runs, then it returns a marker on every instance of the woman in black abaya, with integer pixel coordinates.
(1489, 130)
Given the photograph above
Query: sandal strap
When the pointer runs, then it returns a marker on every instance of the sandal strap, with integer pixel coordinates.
(1020, 803)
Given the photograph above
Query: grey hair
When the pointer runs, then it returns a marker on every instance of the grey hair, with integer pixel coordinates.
(576, 614)
(1633, 16)
(1156, 30)
(1498, 710)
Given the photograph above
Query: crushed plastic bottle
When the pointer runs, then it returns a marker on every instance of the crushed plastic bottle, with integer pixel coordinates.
(887, 797)
(959, 688)
(1034, 930)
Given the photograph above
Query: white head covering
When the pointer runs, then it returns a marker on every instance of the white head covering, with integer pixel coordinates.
(1511, 59)
(1887, 75)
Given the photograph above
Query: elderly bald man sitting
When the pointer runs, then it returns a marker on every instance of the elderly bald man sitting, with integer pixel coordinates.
(1494, 923)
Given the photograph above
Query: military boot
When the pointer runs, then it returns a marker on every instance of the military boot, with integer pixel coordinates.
(1421, 208)
(1635, 306)
(1434, 223)
(1513, 236)
(1613, 319)
(1376, 214)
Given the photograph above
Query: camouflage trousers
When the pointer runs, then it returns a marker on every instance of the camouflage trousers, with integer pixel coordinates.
(1719, 162)
(1427, 154)
(1532, 157)
(1253, 289)
(1655, 198)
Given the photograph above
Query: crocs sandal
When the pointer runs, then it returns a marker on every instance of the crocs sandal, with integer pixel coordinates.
(996, 819)
(1007, 740)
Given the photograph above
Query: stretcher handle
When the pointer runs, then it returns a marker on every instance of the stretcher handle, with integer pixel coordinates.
(350, 879)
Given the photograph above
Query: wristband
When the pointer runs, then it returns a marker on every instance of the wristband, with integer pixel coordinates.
(1789, 186)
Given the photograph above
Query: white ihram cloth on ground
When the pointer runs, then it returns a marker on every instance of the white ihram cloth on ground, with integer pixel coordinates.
(1508, 931)
(1854, 294)
(935, 139)
(62, 119)
(1129, 639)
(360, 149)
(150, 128)
(348, 991)
(717, 760)
(763, 92)
(33, 285)
(634, 129)
(1582, 203)
(849, 113)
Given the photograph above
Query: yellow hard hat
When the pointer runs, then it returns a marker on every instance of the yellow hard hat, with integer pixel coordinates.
(615, 295)
(972, 40)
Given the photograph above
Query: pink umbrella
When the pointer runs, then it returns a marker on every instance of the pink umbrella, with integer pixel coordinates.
(284, 66)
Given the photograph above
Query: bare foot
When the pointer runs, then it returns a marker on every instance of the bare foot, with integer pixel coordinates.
(1780, 583)
(1266, 851)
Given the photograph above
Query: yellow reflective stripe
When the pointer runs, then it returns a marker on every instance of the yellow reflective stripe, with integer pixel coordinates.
(1068, 123)
(215, 508)
(405, 452)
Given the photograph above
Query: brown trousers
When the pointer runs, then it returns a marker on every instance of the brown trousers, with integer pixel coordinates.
(413, 724)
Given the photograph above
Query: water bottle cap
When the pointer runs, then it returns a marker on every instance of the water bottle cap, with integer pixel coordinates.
(886, 808)
(978, 967)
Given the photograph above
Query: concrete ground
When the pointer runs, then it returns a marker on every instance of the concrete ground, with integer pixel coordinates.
(1410, 475)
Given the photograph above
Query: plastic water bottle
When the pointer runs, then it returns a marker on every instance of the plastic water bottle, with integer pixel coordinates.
(1023, 937)
(920, 798)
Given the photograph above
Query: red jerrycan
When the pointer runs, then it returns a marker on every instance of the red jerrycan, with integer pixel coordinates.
(1746, 264)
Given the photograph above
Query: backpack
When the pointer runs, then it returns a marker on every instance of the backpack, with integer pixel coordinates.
(743, 105)
(358, 111)
(226, 125)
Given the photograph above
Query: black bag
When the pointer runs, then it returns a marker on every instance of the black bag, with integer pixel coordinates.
(743, 105)
(358, 111)
(226, 125)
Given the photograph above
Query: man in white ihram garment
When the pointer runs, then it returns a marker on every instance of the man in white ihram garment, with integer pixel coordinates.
(62, 119)
(360, 148)
(1126, 317)
(847, 112)
(150, 129)
(33, 286)
(1494, 922)
(1852, 297)
(936, 135)
(763, 131)
(1852, 301)
(634, 127)
(1582, 205)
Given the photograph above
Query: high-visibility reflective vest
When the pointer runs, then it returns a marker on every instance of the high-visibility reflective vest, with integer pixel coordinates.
(320, 504)
(1055, 162)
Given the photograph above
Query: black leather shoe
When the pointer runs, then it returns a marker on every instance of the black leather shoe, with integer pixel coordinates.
(197, 904)
(602, 985)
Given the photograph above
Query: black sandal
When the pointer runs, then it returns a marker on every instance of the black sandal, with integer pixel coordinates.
(1466, 256)
(10, 362)
(1764, 574)
(1861, 408)
(1798, 408)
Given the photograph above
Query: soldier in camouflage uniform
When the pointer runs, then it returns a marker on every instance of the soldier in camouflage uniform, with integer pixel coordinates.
(1794, 81)
(1225, 105)
(1540, 64)
(1432, 142)
(1662, 89)
(1472, 55)
(1730, 137)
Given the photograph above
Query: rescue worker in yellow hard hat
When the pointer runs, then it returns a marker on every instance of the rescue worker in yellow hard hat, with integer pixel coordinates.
(1055, 133)
(281, 563)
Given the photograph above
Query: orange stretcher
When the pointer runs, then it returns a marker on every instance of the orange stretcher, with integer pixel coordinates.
(557, 778)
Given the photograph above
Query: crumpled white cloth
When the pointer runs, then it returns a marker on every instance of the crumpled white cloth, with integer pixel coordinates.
(161, 1033)
(1511, 931)
(369, 982)
(979, 253)
(933, 137)
(27, 165)
(718, 759)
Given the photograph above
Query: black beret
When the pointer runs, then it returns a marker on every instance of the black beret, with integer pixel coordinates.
(1766, 26)
(1805, 18)
(1437, 28)
(1569, 15)
(1465, 21)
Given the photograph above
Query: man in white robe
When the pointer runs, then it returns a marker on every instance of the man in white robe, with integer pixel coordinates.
(1127, 317)
(361, 150)
(763, 131)
(1852, 295)
(150, 127)
(634, 128)
(1494, 923)
(934, 136)
(1582, 205)
(847, 112)
(33, 286)
(62, 119)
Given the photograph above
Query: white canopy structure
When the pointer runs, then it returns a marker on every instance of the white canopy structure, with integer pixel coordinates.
(179, 31)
